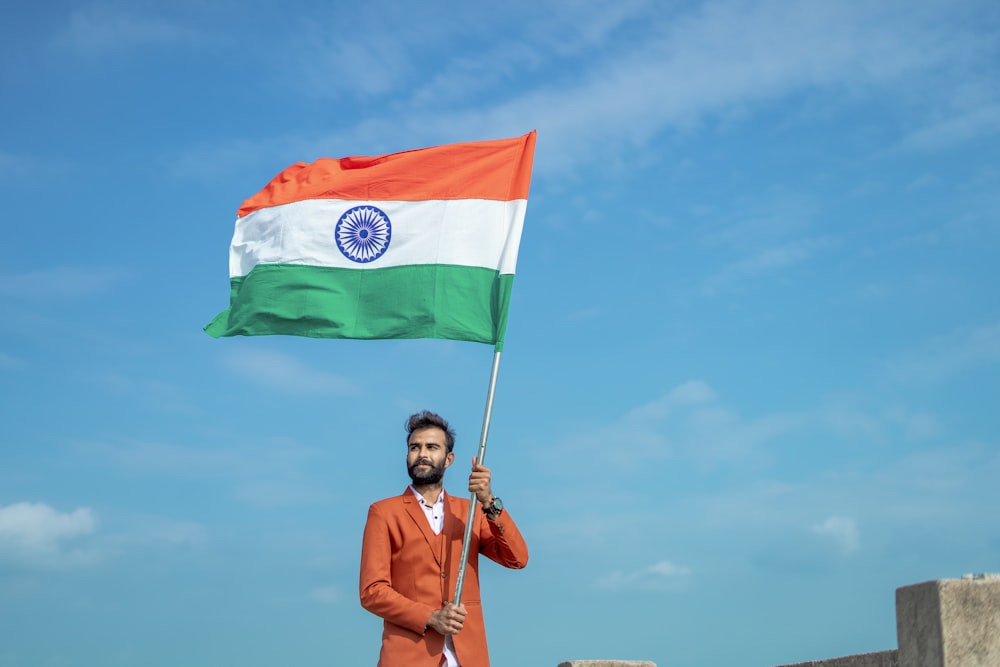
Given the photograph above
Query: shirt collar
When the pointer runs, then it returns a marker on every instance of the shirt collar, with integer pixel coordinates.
(420, 498)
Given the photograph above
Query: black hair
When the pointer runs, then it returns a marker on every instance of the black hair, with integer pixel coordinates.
(427, 419)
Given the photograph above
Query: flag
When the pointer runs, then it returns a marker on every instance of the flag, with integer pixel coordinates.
(417, 244)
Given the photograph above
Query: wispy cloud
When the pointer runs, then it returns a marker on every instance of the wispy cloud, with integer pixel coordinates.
(154, 394)
(677, 70)
(283, 372)
(143, 532)
(36, 535)
(661, 576)
(948, 355)
(323, 63)
(61, 282)
(17, 169)
(327, 595)
(842, 531)
(764, 262)
(916, 497)
(102, 29)
(247, 460)
(176, 533)
(328, 65)
(281, 493)
(669, 70)
(12, 362)
(169, 459)
(770, 217)
(583, 315)
(262, 474)
(688, 422)
(690, 393)
(962, 126)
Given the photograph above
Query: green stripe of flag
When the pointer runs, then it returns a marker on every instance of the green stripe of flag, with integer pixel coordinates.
(413, 301)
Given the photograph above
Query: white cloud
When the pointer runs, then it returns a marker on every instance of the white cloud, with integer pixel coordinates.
(663, 575)
(34, 534)
(842, 531)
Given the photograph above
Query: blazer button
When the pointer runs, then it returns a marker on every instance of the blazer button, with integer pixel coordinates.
(444, 575)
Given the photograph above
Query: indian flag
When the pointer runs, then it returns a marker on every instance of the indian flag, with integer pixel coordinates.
(418, 244)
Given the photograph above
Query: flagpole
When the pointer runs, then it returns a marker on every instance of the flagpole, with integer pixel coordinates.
(460, 581)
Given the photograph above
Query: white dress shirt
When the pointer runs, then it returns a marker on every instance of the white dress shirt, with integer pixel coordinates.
(435, 517)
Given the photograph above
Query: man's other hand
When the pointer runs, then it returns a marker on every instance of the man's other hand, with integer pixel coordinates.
(448, 620)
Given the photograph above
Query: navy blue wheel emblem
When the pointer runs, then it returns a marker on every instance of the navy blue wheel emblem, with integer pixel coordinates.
(363, 233)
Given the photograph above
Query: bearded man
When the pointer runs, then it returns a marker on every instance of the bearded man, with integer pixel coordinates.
(411, 552)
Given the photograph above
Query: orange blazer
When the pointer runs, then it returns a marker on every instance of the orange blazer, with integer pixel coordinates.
(407, 572)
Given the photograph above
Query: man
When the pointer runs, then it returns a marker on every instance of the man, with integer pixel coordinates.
(411, 551)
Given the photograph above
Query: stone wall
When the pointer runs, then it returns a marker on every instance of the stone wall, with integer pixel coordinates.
(880, 659)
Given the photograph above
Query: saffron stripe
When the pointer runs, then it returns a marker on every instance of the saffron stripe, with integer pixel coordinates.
(498, 170)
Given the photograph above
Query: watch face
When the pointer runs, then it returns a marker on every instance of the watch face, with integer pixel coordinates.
(497, 504)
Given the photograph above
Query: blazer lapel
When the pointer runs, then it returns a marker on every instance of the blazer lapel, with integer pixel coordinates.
(454, 529)
(416, 513)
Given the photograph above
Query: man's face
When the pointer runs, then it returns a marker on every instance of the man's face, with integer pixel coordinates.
(427, 455)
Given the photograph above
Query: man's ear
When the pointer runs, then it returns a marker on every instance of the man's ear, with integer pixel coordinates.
(448, 460)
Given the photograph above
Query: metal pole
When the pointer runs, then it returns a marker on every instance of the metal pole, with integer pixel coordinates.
(460, 581)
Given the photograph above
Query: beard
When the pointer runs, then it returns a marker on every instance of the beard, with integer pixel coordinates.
(431, 475)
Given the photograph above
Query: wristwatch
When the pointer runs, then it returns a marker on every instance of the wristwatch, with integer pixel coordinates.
(493, 510)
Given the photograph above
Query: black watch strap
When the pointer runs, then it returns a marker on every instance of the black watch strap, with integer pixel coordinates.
(494, 508)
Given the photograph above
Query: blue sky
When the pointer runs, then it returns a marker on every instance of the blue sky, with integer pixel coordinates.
(750, 379)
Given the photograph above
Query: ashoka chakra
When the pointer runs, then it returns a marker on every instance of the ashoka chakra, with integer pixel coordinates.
(363, 233)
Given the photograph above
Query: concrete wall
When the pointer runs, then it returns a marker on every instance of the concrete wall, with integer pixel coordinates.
(949, 623)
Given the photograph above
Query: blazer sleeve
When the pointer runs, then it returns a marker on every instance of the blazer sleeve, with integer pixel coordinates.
(377, 593)
(501, 541)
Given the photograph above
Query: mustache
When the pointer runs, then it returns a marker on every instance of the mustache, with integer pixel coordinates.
(426, 462)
